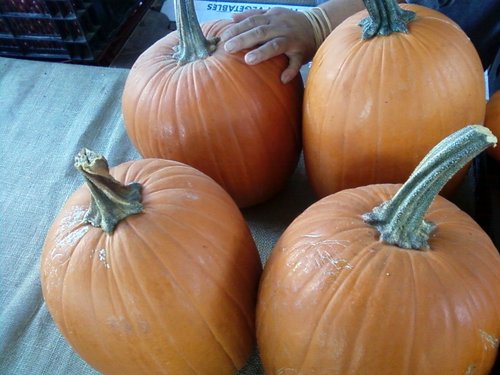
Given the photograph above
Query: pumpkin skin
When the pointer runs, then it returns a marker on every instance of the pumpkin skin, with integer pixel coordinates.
(492, 121)
(237, 123)
(373, 108)
(335, 300)
(171, 290)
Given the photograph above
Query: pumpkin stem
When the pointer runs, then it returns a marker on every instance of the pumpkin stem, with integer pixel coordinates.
(400, 220)
(385, 17)
(111, 201)
(192, 43)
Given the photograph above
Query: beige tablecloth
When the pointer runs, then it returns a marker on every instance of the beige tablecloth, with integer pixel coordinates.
(48, 112)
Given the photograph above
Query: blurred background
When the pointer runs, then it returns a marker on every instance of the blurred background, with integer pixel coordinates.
(102, 32)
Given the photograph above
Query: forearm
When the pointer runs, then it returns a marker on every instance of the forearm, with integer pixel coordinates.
(339, 10)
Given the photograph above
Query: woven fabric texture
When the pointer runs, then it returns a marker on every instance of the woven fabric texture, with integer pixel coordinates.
(48, 112)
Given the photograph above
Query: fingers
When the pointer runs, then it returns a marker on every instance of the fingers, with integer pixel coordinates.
(237, 17)
(294, 64)
(255, 27)
(274, 47)
(270, 33)
(247, 33)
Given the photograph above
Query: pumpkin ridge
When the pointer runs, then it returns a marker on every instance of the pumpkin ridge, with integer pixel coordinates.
(207, 217)
(61, 294)
(214, 194)
(257, 128)
(166, 76)
(381, 77)
(268, 86)
(153, 196)
(412, 70)
(380, 278)
(355, 53)
(126, 174)
(229, 69)
(431, 267)
(149, 178)
(412, 323)
(381, 72)
(195, 304)
(75, 249)
(196, 94)
(461, 270)
(171, 94)
(349, 131)
(293, 253)
(132, 130)
(361, 254)
(67, 238)
(427, 45)
(426, 42)
(175, 283)
(312, 223)
(280, 99)
(338, 278)
(249, 319)
(240, 159)
(177, 125)
(114, 278)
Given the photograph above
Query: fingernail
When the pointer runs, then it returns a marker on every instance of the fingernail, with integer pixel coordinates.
(250, 58)
(229, 46)
(285, 78)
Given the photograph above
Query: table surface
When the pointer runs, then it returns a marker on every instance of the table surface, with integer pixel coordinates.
(48, 112)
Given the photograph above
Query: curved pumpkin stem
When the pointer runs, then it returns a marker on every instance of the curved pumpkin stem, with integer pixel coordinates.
(192, 43)
(111, 201)
(400, 220)
(386, 17)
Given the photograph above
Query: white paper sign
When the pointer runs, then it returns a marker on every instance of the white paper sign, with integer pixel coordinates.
(211, 10)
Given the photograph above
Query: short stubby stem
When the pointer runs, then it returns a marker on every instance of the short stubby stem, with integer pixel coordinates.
(385, 17)
(111, 201)
(192, 43)
(400, 220)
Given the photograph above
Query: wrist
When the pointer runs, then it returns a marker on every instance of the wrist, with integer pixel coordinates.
(320, 24)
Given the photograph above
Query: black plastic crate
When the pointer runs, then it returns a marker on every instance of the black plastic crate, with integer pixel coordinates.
(61, 30)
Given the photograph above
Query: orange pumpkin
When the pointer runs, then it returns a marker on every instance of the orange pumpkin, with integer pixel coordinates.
(492, 121)
(171, 289)
(374, 107)
(187, 99)
(346, 292)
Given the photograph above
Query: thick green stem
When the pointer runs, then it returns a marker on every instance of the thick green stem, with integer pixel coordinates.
(400, 220)
(385, 17)
(111, 201)
(192, 43)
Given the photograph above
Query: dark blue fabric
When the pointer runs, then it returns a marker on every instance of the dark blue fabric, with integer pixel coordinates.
(480, 19)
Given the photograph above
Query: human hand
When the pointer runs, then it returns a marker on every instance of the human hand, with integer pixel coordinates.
(269, 33)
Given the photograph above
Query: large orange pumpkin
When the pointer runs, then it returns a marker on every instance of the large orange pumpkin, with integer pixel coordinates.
(492, 121)
(374, 106)
(171, 289)
(345, 292)
(187, 99)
